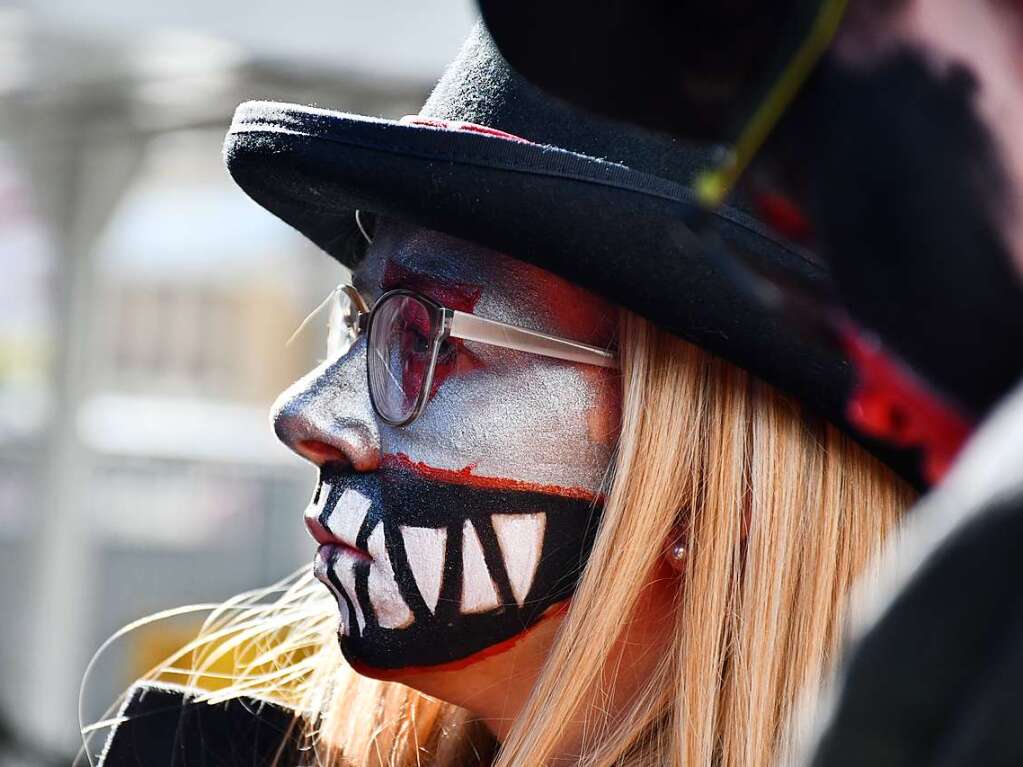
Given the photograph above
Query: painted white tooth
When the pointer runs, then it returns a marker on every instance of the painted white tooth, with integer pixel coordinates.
(478, 592)
(346, 618)
(344, 569)
(347, 516)
(390, 608)
(322, 494)
(320, 568)
(320, 565)
(520, 537)
(424, 549)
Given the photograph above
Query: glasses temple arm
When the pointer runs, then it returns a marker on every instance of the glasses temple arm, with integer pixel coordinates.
(469, 327)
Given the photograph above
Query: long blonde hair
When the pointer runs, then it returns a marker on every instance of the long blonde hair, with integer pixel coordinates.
(782, 513)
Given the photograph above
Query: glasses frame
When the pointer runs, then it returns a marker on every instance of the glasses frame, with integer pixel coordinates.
(448, 323)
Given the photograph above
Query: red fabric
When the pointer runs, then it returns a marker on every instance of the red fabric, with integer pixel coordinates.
(890, 403)
(784, 216)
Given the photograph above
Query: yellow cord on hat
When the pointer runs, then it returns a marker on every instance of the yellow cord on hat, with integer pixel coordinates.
(713, 186)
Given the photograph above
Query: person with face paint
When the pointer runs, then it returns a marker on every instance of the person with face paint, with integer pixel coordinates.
(886, 135)
(570, 479)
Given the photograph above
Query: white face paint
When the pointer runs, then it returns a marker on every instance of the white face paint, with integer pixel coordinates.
(347, 517)
(521, 541)
(425, 547)
(478, 592)
(391, 610)
(449, 536)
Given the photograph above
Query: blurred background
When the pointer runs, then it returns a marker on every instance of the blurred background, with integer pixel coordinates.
(145, 303)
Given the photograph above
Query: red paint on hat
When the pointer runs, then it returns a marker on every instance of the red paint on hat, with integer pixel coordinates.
(784, 216)
(890, 403)
(460, 126)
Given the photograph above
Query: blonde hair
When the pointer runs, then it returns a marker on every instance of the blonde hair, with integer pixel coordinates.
(782, 513)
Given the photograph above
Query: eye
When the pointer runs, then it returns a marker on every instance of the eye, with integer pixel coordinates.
(413, 346)
(414, 342)
(448, 352)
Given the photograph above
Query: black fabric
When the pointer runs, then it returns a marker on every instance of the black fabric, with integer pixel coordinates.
(937, 680)
(592, 201)
(659, 63)
(893, 162)
(908, 193)
(163, 726)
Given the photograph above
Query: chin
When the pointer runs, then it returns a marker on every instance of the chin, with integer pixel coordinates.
(526, 648)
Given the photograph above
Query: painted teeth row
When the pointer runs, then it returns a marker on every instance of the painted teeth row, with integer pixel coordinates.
(519, 537)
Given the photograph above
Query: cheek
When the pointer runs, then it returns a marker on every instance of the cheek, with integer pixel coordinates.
(559, 306)
(604, 416)
(520, 417)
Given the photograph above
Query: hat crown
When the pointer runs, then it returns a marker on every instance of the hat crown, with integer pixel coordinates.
(481, 87)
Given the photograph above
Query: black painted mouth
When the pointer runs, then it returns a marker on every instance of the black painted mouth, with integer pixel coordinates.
(446, 632)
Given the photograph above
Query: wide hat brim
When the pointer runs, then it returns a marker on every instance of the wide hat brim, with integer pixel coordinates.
(599, 224)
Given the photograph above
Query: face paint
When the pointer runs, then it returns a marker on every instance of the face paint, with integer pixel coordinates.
(465, 528)
(428, 571)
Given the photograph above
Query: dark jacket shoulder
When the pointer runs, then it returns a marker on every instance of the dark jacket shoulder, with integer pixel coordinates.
(936, 678)
(163, 725)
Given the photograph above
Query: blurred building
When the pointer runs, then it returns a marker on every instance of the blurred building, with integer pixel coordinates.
(145, 308)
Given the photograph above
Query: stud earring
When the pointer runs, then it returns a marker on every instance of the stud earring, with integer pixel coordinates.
(677, 556)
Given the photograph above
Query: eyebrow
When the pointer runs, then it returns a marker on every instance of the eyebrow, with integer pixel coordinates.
(454, 295)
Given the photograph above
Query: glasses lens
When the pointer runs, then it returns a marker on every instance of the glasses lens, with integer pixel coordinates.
(400, 350)
(343, 324)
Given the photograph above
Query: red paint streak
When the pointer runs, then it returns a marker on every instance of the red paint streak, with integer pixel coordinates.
(568, 309)
(784, 216)
(459, 126)
(467, 477)
(889, 402)
(397, 674)
(453, 295)
(455, 358)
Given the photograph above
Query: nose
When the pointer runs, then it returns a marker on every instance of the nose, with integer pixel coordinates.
(326, 416)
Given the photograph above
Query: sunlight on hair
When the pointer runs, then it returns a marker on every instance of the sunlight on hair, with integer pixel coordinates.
(309, 318)
(250, 625)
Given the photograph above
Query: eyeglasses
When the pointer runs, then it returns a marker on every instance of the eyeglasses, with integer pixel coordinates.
(406, 333)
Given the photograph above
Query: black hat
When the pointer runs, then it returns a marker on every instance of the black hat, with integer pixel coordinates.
(894, 232)
(690, 67)
(493, 160)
